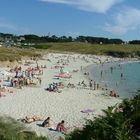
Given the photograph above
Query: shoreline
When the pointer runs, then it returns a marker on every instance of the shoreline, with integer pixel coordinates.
(66, 105)
(109, 86)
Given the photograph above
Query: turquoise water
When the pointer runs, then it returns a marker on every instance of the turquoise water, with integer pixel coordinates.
(121, 77)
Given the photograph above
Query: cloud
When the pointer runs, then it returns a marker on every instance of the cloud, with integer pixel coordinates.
(124, 21)
(73, 34)
(99, 6)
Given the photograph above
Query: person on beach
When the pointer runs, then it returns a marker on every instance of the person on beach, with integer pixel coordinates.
(111, 69)
(0, 91)
(81, 68)
(94, 85)
(90, 85)
(47, 123)
(83, 82)
(31, 119)
(113, 94)
(28, 120)
(61, 70)
(79, 84)
(101, 74)
(121, 76)
(97, 86)
(39, 80)
(60, 127)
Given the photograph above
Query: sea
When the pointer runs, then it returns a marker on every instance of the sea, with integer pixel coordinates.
(124, 77)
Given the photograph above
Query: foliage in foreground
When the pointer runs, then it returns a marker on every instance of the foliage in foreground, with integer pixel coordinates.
(13, 130)
(114, 125)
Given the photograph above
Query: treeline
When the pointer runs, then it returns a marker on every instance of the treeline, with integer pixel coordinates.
(99, 40)
(46, 39)
(134, 42)
(31, 38)
(88, 39)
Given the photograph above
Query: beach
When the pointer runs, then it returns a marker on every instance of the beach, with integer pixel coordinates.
(72, 102)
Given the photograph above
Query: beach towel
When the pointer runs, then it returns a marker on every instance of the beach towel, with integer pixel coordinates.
(87, 111)
(63, 76)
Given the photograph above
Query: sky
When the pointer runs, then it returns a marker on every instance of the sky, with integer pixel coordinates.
(99, 18)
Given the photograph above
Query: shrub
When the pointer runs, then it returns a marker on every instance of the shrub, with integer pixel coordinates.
(10, 129)
(114, 125)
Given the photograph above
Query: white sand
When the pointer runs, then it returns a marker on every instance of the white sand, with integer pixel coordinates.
(65, 105)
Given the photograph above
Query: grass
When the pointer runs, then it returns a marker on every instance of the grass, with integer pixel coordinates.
(125, 50)
(10, 129)
(15, 54)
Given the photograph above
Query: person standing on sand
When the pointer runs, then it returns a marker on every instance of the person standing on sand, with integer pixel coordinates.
(81, 68)
(97, 86)
(94, 85)
(40, 80)
(90, 85)
(61, 70)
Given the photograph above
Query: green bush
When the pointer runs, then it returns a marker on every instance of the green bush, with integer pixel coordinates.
(10, 129)
(113, 126)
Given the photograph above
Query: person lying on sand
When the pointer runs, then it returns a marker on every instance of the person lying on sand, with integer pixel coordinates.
(47, 123)
(31, 119)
